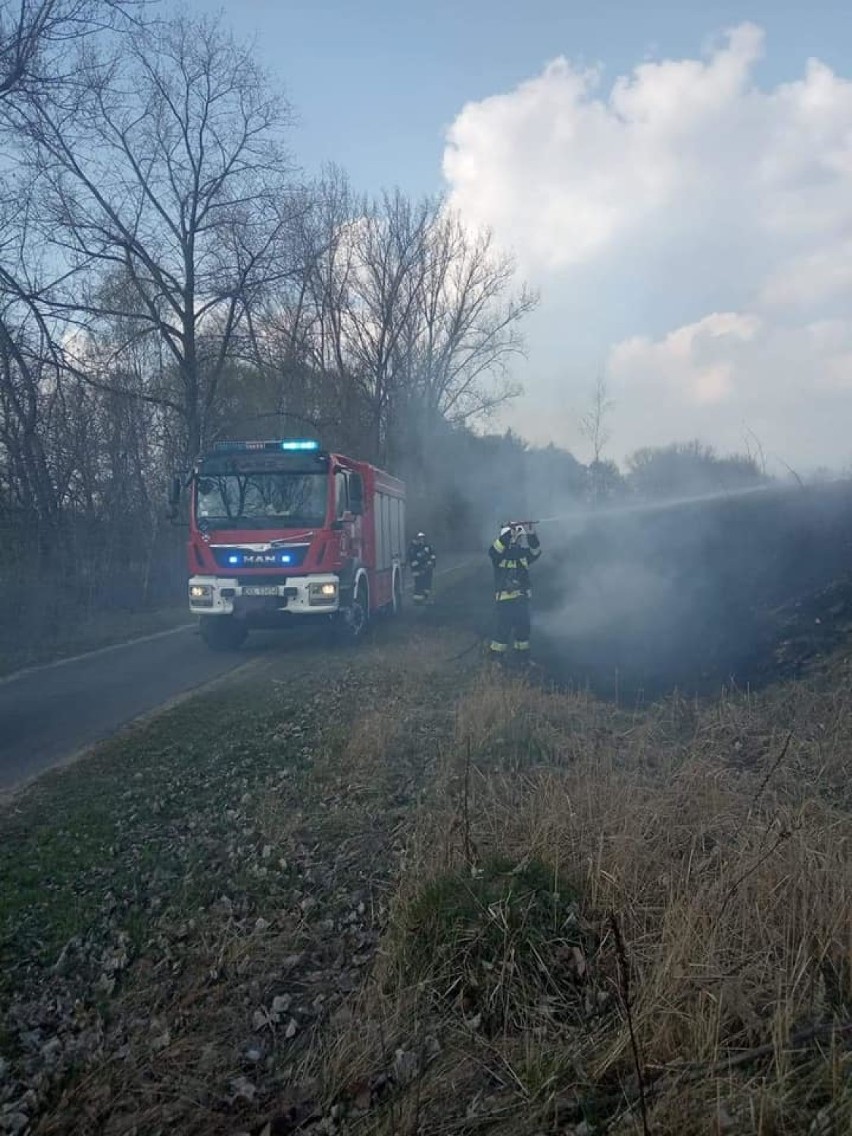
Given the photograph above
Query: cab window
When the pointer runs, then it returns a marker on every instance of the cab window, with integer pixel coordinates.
(341, 494)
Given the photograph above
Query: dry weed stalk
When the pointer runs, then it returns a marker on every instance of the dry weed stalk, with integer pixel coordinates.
(729, 913)
(627, 1005)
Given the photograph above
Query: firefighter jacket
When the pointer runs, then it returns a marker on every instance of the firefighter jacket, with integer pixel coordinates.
(421, 556)
(512, 567)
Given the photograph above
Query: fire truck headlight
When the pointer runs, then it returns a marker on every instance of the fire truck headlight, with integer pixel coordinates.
(201, 594)
(322, 594)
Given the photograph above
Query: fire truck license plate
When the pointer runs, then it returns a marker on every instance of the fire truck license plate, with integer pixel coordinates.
(261, 590)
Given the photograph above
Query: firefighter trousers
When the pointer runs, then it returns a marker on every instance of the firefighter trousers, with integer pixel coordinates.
(422, 585)
(512, 626)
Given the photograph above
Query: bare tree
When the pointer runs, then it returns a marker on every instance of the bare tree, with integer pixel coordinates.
(390, 245)
(166, 173)
(411, 310)
(42, 44)
(341, 333)
(299, 374)
(594, 426)
(27, 401)
(37, 38)
(465, 326)
(594, 423)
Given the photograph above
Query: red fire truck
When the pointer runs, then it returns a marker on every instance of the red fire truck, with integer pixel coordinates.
(284, 530)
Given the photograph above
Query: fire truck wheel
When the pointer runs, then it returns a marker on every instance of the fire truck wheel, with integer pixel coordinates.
(353, 621)
(222, 632)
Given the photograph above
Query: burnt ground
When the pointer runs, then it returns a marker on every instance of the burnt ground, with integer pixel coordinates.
(737, 592)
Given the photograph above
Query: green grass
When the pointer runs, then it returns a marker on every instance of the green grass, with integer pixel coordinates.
(76, 637)
(146, 813)
(491, 940)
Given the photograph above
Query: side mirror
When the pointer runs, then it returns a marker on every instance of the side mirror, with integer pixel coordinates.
(356, 496)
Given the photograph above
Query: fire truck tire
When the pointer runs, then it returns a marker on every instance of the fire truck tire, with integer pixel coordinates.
(353, 622)
(223, 632)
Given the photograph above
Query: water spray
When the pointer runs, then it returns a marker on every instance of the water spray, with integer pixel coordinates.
(645, 506)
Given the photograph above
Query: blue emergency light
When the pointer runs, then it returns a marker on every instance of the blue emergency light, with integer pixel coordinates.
(292, 445)
(238, 559)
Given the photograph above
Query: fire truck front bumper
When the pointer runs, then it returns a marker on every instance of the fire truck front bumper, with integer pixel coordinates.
(297, 595)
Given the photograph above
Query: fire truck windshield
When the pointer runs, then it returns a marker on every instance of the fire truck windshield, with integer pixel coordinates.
(261, 500)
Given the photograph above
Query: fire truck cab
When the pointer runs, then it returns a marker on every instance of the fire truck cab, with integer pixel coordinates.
(282, 531)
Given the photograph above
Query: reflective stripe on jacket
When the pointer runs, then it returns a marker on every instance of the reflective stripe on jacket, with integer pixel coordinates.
(421, 557)
(511, 568)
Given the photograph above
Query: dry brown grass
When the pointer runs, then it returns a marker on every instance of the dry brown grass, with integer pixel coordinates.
(490, 836)
(718, 837)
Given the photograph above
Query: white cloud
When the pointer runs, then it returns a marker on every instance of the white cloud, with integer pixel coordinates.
(693, 365)
(688, 227)
(730, 374)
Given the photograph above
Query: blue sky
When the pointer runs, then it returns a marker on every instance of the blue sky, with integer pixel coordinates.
(377, 82)
(687, 219)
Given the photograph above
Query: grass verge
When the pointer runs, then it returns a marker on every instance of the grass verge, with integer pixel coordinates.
(183, 910)
(382, 893)
(614, 922)
(102, 629)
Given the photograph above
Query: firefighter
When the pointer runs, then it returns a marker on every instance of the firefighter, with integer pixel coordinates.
(512, 553)
(422, 558)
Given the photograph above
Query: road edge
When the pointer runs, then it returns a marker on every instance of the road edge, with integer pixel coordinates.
(39, 667)
(9, 792)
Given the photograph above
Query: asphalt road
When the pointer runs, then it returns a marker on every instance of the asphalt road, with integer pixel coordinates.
(50, 713)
